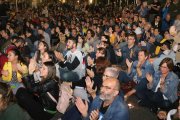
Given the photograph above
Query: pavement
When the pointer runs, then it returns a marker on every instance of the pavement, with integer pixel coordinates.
(139, 113)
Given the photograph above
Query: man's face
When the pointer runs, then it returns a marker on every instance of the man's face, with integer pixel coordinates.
(141, 56)
(108, 91)
(156, 32)
(131, 41)
(70, 44)
(40, 32)
(74, 33)
(106, 75)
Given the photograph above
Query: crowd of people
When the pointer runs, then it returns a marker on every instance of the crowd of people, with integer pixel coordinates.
(72, 62)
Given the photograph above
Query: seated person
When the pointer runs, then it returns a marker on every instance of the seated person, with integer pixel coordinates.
(109, 105)
(36, 99)
(163, 86)
(9, 110)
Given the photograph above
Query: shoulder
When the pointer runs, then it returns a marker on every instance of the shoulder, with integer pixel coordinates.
(172, 76)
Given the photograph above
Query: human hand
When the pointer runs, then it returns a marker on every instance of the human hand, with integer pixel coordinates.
(82, 107)
(32, 66)
(59, 55)
(5, 73)
(139, 64)
(89, 85)
(94, 115)
(19, 67)
(149, 77)
(129, 64)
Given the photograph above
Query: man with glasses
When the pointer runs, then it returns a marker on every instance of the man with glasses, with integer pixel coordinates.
(109, 105)
(130, 51)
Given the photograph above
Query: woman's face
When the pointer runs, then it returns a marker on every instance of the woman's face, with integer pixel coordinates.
(57, 29)
(99, 54)
(80, 40)
(45, 57)
(44, 71)
(90, 61)
(12, 57)
(41, 47)
(88, 34)
(164, 68)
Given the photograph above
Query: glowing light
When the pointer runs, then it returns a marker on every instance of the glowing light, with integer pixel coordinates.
(130, 106)
(63, 1)
(90, 1)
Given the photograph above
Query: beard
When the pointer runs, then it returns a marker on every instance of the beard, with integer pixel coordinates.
(106, 97)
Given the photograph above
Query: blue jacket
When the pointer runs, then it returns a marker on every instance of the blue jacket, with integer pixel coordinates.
(118, 110)
(171, 85)
(147, 67)
(166, 24)
(126, 54)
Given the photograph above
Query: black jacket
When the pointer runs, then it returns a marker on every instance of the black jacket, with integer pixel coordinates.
(41, 89)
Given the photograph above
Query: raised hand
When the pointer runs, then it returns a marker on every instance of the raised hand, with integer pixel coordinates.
(32, 66)
(59, 56)
(149, 77)
(129, 64)
(82, 107)
(94, 115)
(5, 73)
(89, 85)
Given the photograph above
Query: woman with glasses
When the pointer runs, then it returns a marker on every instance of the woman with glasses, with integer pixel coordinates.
(163, 87)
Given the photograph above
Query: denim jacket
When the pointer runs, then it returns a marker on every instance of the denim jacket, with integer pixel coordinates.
(171, 85)
(126, 54)
(147, 67)
(118, 110)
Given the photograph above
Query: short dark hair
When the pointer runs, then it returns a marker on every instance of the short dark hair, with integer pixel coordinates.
(73, 39)
(131, 34)
(167, 43)
(146, 53)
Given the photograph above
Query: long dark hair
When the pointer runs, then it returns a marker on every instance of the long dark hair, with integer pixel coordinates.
(38, 52)
(51, 71)
(6, 95)
(20, 57)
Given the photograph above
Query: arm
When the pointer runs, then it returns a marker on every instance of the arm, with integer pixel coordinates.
(169, 86)
(73, 65)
